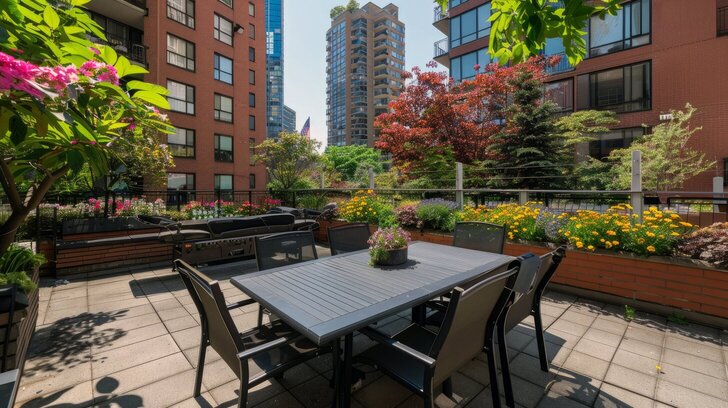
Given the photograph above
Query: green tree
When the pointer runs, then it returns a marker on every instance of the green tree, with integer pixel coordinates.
(351, 6)
(61, 102)
(667, 160)
(527, 153)
(347, 160)
(520, 28)
(289, 160)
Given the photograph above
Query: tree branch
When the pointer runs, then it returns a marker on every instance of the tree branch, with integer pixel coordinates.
(11, 190)
(45, 185)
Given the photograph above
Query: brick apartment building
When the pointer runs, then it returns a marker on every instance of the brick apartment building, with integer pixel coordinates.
(654, 56)
(211, 56)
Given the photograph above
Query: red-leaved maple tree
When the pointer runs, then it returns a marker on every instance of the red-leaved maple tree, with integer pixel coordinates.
(434, 114)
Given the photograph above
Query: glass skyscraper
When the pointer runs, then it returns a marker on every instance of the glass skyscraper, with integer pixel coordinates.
(274, 66)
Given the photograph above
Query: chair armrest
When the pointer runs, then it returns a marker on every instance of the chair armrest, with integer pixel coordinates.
(399, 346)
(242, 303)
(271, 345)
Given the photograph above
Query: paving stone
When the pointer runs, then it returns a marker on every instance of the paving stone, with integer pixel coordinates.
(631, 380)
(478, 371)
(133, 355)
(615, 397)
(641, 348)
(529, 368)
(578, 317)
(595, 349)
(167, 392)
(654, 337)
(679, 396)
(203, 401)
(188, 338)
(603, 337)
(695, 332)
(702, 350)
(561, 338)
(576, 386)
(126, 338)
(314, 393)
(556, 400)
(645, 365)
(285, 399)
(227, 395)
(695, 380)
(555, 354)
(613, 326)
(39, 383)
(691, 362)
(79, 395)
(574, 329)
(586, 365)
(180, 323)
(382, 393)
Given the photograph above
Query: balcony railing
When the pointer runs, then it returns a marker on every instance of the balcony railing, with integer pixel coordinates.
(439, 14)
(723, 21)
(441, 48)
(562, 66)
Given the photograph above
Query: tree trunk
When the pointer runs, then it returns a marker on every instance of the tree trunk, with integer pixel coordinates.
(10, 228)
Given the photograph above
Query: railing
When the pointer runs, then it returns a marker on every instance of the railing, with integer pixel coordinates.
(439, 14)
(562, 66)
(441, 48)
(722, 23)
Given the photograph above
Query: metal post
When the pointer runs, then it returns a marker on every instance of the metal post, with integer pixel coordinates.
(636, 198)
(37, 229)
(218, 204)
(371, 178)
(322, 181)
(459, 196)
(523, 197)
(179, 200)
(718, 183)
(250, 202)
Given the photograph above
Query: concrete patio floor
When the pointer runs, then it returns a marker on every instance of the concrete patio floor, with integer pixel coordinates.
(131, 340)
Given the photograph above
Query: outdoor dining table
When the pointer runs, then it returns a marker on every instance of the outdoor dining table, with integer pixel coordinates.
(330, 298)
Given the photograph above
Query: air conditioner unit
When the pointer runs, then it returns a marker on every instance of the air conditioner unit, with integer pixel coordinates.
(665, 116)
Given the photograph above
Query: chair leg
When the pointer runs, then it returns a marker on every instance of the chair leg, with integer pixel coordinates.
(492, 369)
(200, 365)
(447, 388)
(505, 366)
(538, 325)
(429, 401)
(260, 315)
(429, 397)
(243, 399)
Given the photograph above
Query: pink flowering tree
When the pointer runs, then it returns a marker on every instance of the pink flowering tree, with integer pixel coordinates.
(66, 103)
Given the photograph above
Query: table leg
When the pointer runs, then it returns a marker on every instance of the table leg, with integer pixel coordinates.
(346, 378)
(419, 314)
(335, 379)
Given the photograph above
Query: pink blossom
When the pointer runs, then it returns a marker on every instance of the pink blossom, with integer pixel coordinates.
(74, 142)
(476, 67)
(95, 50)
(132, 126)
(100, 71)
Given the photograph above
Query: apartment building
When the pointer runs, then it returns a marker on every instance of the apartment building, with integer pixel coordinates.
(289, 119)
(211, 56)
(653, 56)
(365, 61)
(274, 67)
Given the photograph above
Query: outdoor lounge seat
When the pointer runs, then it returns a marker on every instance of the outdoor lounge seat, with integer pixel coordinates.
(348, 238)
(481, 236)
(422, 360)
(255, 355)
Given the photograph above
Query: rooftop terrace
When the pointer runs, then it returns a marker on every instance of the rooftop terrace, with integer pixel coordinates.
(130, 340)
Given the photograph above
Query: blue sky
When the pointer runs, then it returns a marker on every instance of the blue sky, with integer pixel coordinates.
(305, 25)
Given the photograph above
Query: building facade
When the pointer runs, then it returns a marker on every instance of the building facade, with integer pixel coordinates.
(652, 57)
(365, 61)
(210, 55)
(289, 119)
(274, 66)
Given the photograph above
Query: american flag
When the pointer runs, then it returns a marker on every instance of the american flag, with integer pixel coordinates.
(306, 129)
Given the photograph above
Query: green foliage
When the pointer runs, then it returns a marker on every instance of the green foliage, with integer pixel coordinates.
(667, 160)
(289, 159)
(585, 125)
(314, 201)
(629, 312)
(592, 174)
(14, 265)
(384, 240)
(353, 160)
(677, 318)
(436, 216)
(338, 10)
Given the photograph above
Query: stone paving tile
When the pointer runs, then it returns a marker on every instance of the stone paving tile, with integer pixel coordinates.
(595, 349)
(77, 396)
(691, 362)
(710, 352)
(615, 397)
(576, 386)
(694, 380)
(679, 396)
(643, 384)
(555, 400)
(133, 354)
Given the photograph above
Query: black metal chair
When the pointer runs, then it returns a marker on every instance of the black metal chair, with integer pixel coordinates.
(255, 355)
(536, 272)
(421, 359)
(481, 236)
(348, 238)
(285, 248)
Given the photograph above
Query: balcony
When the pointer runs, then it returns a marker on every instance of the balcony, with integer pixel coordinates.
(441, 20)
(441, 52)
(722, 23)
(129, 12)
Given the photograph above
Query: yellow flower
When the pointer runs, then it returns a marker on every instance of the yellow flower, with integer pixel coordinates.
(611, 233)
(650, 234)
(650, 249)
(579, 244)
(590, 247)
(615, 243)
(674, 234)
(595, 233)
(685, 224)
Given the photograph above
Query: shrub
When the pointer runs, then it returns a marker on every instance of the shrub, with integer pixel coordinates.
(14, 265)
(407, 216)
(385, 239)
(367, 207)
(451, 205)
(519, 220)
(709, 244)
(436, 214)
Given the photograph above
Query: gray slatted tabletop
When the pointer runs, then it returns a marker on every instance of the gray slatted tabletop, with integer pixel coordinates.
(329, 298)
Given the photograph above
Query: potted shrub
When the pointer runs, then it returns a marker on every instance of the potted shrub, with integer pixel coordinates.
(388, 246)
(15, 265)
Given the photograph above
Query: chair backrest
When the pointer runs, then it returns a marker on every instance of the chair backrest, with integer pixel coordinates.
(470, 311)
(286, 248)
(481, 236)
(214, 315)
(530, 265)
(524, 304)
(349, 238)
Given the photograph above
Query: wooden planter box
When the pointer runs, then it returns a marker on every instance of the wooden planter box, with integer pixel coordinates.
(21, 331)
(676, 282)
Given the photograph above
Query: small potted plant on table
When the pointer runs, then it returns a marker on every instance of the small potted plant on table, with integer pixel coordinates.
(388, 246)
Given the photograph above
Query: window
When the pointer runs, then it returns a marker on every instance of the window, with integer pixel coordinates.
(251, 100)
(454, 3)
(251, 77)
(182, 11)
(624, 89)
(470, 26)
(228, 3)
(629, 28)
(722, 26)
(251, 31)
(251, 54)
(223, 108)
(251, 9)
(222, 29)
(251, 181)
(223, 148)
(251, 150)
(182, 142)
(180, 181)
(725, 171)
(223, 181)
(251, 122)
(463, 67)
(561, 93)
(616, 139)
(181, 97)
(223, 69)
(180, 53)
